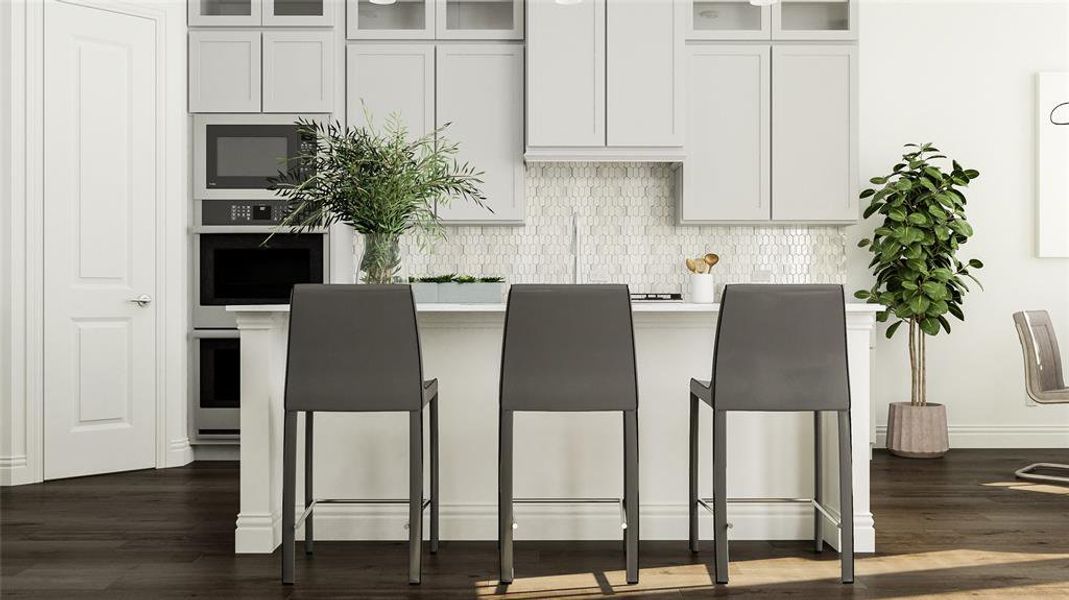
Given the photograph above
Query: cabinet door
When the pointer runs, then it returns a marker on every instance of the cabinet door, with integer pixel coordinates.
(298, 71)
(399, 20)
(390, 79)
(645, 41)
(566, 74)
(298, 13)
(728, 20)
(814, 133)
(726, 175)
(814, 20)
(480, 92)
(223, 13)
(224, 71)
(480, 19)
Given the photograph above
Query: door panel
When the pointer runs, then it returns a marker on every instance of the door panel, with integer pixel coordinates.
(814, 128)
(388, 79)
(644, 80)
(480, 92)
(298, 71)
(726, 172)
(566, 74)
(100, 195)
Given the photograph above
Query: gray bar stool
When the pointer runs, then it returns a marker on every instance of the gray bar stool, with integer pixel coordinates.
(779, 348)
(569, 348)
(355, 348)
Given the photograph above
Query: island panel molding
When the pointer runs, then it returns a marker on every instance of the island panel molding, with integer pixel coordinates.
(557, 455)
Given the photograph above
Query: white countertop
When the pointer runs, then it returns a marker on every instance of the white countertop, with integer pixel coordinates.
(638, 307)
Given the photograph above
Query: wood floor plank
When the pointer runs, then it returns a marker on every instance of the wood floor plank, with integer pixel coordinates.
(959, 527)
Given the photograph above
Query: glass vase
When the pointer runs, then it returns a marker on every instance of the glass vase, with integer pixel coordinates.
(381, 262)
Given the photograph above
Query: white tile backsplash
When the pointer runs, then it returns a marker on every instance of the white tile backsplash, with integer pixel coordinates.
(629, 234)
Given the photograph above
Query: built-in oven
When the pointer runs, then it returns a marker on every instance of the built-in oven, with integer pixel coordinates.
(236, 155)
(216, 383)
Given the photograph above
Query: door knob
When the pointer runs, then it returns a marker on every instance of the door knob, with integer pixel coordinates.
(142, 300)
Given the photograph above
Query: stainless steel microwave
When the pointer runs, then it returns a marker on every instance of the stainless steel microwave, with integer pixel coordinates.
(235, 155)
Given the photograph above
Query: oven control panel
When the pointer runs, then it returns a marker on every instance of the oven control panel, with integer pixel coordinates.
(242, 212)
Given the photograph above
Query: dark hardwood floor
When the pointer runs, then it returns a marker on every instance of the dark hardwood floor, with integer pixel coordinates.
(956, 527)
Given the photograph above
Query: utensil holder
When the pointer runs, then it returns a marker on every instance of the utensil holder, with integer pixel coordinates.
(702, 288)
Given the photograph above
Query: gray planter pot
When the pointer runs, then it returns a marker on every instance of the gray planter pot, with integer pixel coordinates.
(470, 293)
(917, 431)
(425, 292)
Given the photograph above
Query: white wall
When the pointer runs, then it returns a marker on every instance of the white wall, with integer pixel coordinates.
(5, 220)
(962, 75)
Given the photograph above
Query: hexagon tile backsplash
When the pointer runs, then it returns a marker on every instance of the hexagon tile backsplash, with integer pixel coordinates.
(626, 222)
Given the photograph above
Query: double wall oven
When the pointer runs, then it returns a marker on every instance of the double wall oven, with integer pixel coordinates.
(238, 256)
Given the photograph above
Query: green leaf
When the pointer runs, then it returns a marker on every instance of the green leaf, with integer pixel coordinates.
(878, 180)
(976, 264)
(918, 304)
(867, 193)
(946, 324)
(863, 242)
(934, 290)
(918, 218)
(862, 294)
(909, 285)
(929, 326)
(872, 208)
(972, 173)
(893, 328)
(897, 214)
(961, 227)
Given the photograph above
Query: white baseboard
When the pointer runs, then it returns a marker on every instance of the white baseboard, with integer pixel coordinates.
(478, 522)
(179, 453)
(998, 436)
(14, 470)
(216, 452)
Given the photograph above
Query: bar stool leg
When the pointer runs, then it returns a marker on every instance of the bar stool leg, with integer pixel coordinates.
(504, 497)
(309, 532)
(289, 493)
(631, 501)
(818, 483)
(720, 500)
(846, 498)
(434, 475)
(415, 495)
(695, 535)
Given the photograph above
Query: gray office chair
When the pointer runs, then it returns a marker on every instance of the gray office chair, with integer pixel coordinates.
(1043, 377)
(569, 348)
(355, 348)
(779, 348)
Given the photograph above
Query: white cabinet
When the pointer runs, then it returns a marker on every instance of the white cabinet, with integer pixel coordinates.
(254, 13)
(727, 173)
(814, 133)
(605, 80)
(224, 71)
(480, 92)
(814, 20)
(729, 20)
(644, 82)
(298, 71)
(400, 20)
(298, 13)
(223, 13)
(480, 19)
(566, 74)
(388, 79)
(227, 68)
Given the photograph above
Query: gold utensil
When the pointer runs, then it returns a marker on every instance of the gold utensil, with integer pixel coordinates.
(711, 259)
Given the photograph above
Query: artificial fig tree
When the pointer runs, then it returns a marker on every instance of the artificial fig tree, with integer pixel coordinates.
(919, 277)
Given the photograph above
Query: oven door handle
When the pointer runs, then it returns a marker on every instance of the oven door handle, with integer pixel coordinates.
(142, 300)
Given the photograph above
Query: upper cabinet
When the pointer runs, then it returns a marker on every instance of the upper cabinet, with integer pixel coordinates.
(605, 80)
(814, 129)
(480, 19)
(241, 71)
(435, 19)
(480, 94)
(254, 13)
(390, 79)
(644, 82)
(783, 20)
(566, 74)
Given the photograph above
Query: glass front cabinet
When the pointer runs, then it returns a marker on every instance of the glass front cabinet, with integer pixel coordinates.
(780, 20)
(435, 19)
(256, 13)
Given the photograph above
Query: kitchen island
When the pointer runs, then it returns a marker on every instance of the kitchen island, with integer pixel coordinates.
(364, 455)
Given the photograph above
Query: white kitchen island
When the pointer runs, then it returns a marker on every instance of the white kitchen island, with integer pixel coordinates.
(364, 455)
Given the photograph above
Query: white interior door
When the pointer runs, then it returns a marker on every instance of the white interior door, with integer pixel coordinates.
(99, 230)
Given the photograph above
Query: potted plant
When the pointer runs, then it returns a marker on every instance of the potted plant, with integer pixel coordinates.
(460, 289)
(919, 279)
(379, 182)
